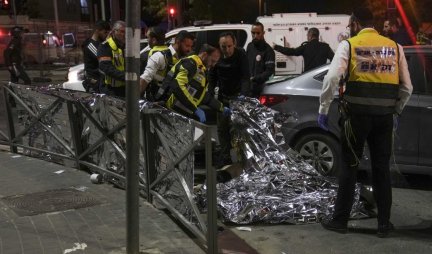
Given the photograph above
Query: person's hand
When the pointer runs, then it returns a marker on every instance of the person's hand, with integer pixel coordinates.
(226, 111)
(323, 122)
(201, 115)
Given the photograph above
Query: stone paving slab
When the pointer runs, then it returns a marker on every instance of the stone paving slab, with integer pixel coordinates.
(96, 229)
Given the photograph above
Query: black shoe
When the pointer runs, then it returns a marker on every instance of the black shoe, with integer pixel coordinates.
(385, 229)
(336, 226)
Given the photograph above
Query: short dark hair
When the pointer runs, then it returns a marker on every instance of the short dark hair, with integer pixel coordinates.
(208, 49)
(258, 24)
(228, 34)
(363, 16)
(158, 33)
(314, 32)
(102, 25)
(183, 34)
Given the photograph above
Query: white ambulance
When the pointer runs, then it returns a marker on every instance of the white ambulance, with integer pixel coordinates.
(290, 30)
(285, 29)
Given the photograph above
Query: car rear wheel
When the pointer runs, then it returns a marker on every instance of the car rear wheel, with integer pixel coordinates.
(321, 151)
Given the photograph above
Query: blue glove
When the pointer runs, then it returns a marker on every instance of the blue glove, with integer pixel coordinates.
(241, 98)
(323, 122)
(227, 111)
(201, 115)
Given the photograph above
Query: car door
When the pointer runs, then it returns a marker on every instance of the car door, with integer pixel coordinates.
(425, 103)
(406, 139)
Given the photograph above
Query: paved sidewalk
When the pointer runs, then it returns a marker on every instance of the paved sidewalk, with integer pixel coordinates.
(97, 227)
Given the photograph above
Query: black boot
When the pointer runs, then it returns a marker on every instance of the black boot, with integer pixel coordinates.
(334, 225)
(385, 229)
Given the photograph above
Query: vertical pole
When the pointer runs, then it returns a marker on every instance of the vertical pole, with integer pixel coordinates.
(212, 244)
(115, 10)
(259, 8)
(132, 59)
(103, 9)
(14, 12)
(56, 18)
(169, 21)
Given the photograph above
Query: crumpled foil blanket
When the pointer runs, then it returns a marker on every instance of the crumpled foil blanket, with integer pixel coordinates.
(277, 186)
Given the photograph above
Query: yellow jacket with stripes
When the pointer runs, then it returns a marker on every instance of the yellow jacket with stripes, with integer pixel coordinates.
(189, 86)
(373, 79)
(118, 61)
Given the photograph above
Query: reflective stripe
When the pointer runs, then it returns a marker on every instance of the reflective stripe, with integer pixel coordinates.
(372, 90)
(370, 101)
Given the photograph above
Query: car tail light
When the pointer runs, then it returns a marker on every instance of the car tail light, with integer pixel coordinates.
(272, 99)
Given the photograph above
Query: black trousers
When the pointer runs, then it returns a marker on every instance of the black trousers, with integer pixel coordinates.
(377, 131)
(224, 135)
(19, 73)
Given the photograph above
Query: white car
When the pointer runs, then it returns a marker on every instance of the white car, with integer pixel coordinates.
(76, 73)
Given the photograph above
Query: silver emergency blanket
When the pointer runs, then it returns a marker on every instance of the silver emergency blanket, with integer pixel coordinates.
(277, 185)
(56, 124)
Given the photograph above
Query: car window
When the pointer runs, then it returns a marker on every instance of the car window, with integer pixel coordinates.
(428, 74)
(320, 76)
(415, 67)
(200, 39)
(213, 36)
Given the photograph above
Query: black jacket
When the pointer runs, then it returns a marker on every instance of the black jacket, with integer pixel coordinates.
(13, 52)
(314, 52)
(231, 75)
(261, 58)
(91, 63)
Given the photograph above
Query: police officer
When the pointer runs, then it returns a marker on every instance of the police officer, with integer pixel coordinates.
(231, 77)
(112, 63)
(162, 58)
(13, 57)
(261, 59)
(91, 64)
(314, 52)
(189, 85)
(377, 86)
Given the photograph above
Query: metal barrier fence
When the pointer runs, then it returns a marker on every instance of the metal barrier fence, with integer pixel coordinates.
(88, 131)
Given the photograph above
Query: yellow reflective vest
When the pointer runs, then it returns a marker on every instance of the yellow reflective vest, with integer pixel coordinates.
(118, 61)
(373, 80)
(189, 86)
(170, 59)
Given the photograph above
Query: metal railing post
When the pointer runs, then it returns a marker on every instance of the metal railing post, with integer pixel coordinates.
(149, 145)
(212, 244)
(76, 130)
(10, 122)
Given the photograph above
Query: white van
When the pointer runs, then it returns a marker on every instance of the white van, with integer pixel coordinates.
(285, 29)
